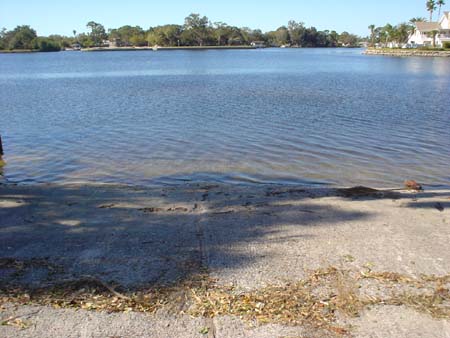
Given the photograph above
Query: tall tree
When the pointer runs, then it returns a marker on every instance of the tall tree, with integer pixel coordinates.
(433, 35)
(3, 34)
(388, 33)
(22, 37)
(402, 32)
(155, 37)
(198, 27)
(97, 32)
(282, 36)
(220, 32)
(440, 3)
(333, 39)
(417, 19)
(431, 7)
(372, 34)
(128, 36)
(295, 30)
(348, 40)
(172, 34)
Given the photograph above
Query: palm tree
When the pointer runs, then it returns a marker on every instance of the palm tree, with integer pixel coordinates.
(403, 31)
(431, 7)
(440, 3)
(389, 33)
(372, 34)
(433, 35)
(417, 19)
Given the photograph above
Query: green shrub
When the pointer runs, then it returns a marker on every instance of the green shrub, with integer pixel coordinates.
(432, 49)
(446, 45)
(47, 45)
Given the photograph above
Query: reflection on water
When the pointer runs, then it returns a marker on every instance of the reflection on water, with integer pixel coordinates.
(432, 66)
(292, 116)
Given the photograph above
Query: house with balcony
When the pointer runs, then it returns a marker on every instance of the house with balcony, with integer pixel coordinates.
(424, 32)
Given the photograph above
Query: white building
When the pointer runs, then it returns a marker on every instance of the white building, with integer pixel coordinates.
(258, 44)
(424, 31)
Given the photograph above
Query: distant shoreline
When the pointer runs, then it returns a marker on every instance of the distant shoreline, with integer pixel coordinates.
(20, 51)
(407, 52)
(118, 49)
(134, 49)
(126, 49)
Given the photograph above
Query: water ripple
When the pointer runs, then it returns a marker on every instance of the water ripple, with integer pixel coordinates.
(266, 116)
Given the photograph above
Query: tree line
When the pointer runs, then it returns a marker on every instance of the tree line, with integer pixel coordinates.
(389, 33)
(25, 38)
(197, 30)
(400, 33)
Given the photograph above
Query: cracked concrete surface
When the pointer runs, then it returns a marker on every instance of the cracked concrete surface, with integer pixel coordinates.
(248, 236)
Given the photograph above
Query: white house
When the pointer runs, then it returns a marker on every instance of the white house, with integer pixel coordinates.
(423, 33)
(258, 44)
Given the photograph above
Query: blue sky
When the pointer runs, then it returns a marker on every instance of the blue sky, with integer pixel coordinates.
(63, 16)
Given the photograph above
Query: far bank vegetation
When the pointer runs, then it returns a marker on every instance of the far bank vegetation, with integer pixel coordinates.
(196, 30)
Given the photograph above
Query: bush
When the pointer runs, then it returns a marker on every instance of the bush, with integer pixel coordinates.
(446, 45)
(47, 45)
(22, 37)
(429, 48)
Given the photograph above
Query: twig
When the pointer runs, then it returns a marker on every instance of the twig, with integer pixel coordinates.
(5, 321)
(95, 280)
(106, 286)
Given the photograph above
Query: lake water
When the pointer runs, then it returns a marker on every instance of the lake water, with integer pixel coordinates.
(313, 116)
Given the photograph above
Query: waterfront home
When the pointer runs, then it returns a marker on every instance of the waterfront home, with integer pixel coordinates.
(114, 43)
(258, 44)
(76, 46)
(424, 31)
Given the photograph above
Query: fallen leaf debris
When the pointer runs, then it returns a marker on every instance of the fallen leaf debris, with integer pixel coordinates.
(313, 301)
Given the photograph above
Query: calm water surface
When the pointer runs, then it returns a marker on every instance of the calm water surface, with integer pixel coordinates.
(274, 115)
